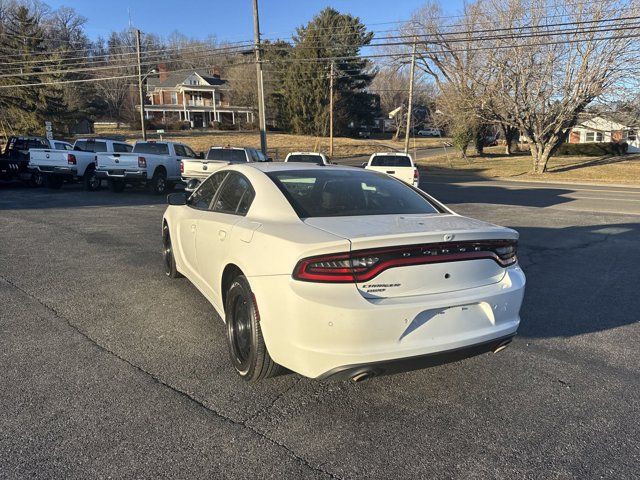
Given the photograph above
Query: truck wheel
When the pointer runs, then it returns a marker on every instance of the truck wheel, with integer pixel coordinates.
(91, 181)
(53, 181)
(167, 253)
(116, 185)
(158, 183)
(36, 180)
(248, 352)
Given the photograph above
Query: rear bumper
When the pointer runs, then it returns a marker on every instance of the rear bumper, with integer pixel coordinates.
(387, 367)
(320, 330)
(118, 174)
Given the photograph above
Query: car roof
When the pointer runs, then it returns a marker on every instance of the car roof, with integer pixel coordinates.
(231, 148)
(398, 154)
(283, 166)
(318, 154)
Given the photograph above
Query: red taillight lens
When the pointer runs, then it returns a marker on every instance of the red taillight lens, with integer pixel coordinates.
(71, 159)
(142, 162)
(416, 174)
(181, 167)
(363, 265)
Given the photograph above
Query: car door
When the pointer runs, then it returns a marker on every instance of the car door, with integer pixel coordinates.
(199, 204)
(214, 238)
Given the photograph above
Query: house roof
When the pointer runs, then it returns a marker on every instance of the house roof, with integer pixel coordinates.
(609, 121)
(177, 78)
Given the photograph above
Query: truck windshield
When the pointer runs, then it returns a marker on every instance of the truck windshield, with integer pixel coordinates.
(151, 148)
(233, 155)
(390, 161)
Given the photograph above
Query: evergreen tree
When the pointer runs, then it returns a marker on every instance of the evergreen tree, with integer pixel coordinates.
(330, 34)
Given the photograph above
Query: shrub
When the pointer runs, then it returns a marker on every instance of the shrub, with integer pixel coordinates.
(593, 149)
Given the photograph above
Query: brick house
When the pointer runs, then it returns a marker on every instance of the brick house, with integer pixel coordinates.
(604, 129)
(198, 97)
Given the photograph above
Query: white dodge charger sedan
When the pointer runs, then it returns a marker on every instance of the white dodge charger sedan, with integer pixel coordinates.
(341, 272)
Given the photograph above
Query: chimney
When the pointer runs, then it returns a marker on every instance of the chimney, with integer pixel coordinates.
(214, 72)
(162, 70)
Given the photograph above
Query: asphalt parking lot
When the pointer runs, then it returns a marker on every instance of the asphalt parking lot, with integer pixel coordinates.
(110, 369)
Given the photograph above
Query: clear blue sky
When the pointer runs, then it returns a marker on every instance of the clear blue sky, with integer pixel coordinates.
(231, 19)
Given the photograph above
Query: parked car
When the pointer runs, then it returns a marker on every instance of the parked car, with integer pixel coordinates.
(14, 159)
(218, 157)
(399, 165)
(364, 132)
(153, 164)
(308, 157)
(77, 163)
(341, 272)
(429, 132)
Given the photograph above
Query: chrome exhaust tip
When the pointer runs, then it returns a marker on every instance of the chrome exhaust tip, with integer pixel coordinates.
(362, 376)
(501, 346)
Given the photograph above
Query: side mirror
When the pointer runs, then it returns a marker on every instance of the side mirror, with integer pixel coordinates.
(365, 164)
(269, 159)
(179, 198)
(192, 184)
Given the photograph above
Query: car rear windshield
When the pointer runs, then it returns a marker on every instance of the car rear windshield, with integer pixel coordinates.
(151, 148)
(334, 193)
(390, 161)
(317, 159)
(233, 155)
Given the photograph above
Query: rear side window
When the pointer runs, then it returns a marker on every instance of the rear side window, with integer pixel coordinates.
(390, 161)
(333, 193)
(90, 146)
(62, 146)
(203, 196)
(316, 159)
(233, 155)
(151, 148)
(122, 148)
(235, 196)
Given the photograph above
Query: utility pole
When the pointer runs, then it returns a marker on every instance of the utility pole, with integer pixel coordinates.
(144, 130)
(261, 113)
(410, 108)
(331, 75)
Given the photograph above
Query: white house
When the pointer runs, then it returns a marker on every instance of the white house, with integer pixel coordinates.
(603, 129)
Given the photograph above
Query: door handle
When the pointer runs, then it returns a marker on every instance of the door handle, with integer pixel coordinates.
(222, 234)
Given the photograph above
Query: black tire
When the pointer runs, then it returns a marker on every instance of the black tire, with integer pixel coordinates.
(170, 269)
(36, 180)
(116, 185)
(158, 184)
(53, 181)
(248, 352)
(90, 180)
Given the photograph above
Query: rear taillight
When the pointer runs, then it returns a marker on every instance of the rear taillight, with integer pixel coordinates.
(416, 175)
(181, 167)
(142, 162)
(71, 159)
(363, 265)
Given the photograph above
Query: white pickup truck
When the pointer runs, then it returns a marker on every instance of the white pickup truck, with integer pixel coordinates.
(154, 164)
(398, 165)
(74, 163)
(308, 157)
(218, 157)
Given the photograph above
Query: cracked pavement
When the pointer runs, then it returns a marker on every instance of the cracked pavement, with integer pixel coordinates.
(110, 369)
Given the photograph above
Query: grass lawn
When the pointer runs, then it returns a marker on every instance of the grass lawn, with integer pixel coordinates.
(623, 169)
(279, 144)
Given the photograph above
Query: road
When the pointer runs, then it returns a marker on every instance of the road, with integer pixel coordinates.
(108, 368)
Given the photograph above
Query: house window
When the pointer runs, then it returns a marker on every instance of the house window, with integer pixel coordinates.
(174, 98)
(589, 136)
(630, 135)
(599, 137)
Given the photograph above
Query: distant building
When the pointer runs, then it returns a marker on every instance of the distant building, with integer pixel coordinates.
(607, 129)
(197, 97)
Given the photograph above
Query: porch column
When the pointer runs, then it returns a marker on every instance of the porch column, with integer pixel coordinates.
(213, 100)
(184, 104)
(247, 117)
(233, 118)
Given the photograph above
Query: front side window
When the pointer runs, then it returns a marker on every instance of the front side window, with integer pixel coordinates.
(235, 196)
(189, 153)
(333, 193)
(203, 196)
(180, 152)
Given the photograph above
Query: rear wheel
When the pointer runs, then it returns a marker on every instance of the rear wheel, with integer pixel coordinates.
(53, 181)
(37, 179)
(158, 184)
(90, 180)
(167, 253)
(116, 185)
(248, 352)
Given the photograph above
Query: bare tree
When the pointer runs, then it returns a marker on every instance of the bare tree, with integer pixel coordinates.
(534, 69)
